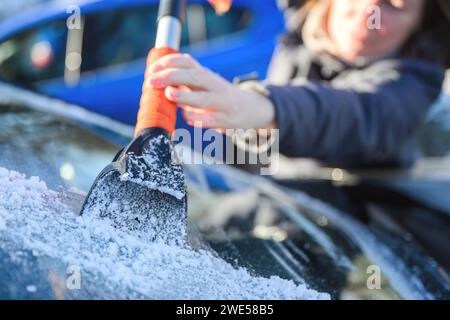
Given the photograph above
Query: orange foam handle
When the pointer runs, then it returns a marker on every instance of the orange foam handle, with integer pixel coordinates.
(155, 111)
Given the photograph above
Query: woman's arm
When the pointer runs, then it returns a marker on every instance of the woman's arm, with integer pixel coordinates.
(361, 118)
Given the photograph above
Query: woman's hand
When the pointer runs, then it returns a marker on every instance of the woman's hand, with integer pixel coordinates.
(208, 100)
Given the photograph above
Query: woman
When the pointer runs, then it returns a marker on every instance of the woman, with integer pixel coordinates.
(349, 84)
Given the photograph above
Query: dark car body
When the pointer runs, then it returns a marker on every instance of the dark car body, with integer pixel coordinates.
(297, 231)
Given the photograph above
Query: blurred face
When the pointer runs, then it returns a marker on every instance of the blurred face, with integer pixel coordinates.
(370, 28)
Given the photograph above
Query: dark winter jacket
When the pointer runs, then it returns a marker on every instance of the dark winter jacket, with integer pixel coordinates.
(349, 116)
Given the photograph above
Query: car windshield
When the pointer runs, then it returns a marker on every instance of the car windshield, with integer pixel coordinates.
(248, 238)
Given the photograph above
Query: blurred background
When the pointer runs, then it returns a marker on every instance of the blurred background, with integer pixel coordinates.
(100, 65)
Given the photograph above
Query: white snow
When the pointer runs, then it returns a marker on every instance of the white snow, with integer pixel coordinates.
(36, 218)
(147, 195)
(150, 171)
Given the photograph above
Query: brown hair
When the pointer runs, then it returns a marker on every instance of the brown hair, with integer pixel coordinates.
(431, 42)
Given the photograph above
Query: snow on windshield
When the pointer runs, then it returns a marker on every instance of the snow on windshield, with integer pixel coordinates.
(36, 218)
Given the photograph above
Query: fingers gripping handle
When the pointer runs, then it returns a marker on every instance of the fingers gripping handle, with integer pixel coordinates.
(154, 109)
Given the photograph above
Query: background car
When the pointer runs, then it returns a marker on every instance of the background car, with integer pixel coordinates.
(100, 66)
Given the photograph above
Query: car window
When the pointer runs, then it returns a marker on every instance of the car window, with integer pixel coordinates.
(203, 24)
(237, 19)
(35, 55)
(119, 36)
(108, 38)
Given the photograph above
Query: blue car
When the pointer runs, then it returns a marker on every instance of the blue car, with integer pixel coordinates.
(99, 61)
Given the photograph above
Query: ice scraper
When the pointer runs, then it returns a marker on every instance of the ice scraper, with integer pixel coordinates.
(144, 188)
